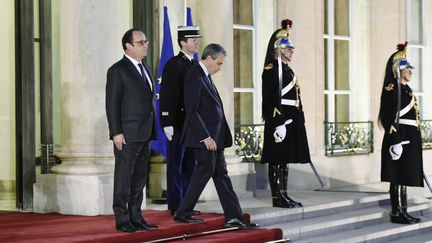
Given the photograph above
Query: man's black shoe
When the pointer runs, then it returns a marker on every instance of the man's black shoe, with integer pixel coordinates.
(253, 225)
(187, 219)
(193, 212)
(126, 227)
(143, 225)
(239, 223)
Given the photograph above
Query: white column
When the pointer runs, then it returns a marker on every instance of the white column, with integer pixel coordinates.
(87, 41)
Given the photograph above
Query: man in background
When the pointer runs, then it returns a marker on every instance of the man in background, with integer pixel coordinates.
(180, 161)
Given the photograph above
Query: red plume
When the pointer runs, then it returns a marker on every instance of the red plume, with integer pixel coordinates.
(286, 23)
(402, 47)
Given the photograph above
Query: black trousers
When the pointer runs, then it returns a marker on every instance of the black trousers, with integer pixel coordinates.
(180, 163)
(211, 165)
(130, 176)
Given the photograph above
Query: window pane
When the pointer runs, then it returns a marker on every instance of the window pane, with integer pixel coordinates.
(420, 102)
(415, 22)
(326, 107)
(36, 28)
(326, 65)
(243, 12)
(341, 65)
(243, 55)
(341, 17)
(415, 57)
(243, 108)
(342, 108)
(37, 122)
(325, 17)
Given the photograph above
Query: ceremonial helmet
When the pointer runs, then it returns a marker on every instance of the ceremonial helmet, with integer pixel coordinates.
(399, 60)
(279, 40)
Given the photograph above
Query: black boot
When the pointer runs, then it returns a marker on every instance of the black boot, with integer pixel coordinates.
(404, 204)
(277, 198)
(397, 216)
(284, 170)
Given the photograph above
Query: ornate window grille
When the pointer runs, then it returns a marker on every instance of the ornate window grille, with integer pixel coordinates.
(249, 141)
(426, 132)
(341, 138)
(348, 138)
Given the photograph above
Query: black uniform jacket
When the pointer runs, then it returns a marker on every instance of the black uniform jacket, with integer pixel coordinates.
(294, 148)
(171, 99)
(408, 170)
(130, 103)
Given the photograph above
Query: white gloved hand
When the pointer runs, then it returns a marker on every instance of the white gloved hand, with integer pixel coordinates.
(397, 149)
(280, 132)
(169, 132)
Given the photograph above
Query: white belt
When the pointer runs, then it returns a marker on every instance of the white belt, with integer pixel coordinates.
(288, 102)
(287, 88)
(407, 108)
(408, 122)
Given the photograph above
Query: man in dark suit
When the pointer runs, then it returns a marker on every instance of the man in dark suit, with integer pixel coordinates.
(180, 162)
(130, 106)
(207, 134)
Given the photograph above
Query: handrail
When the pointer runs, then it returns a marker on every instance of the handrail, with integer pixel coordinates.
(278, 241)
(186, 236)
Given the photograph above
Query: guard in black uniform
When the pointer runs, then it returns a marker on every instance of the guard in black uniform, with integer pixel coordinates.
(401, 151)
(285, 140)
(180, 161)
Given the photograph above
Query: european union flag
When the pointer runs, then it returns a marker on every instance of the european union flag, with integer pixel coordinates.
(167, 52)
(190, 23)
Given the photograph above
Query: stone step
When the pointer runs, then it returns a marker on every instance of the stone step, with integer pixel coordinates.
(328, 213)
(347, 202)
(422, 236)
(341, 221)
(378, 232)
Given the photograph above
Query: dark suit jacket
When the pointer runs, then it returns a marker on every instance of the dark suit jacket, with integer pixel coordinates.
(129, 102)
(171, 93)
(204, 111)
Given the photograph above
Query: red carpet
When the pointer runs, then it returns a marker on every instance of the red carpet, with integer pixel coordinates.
(35, 227)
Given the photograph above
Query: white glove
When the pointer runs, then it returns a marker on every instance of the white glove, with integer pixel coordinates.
(169, 132)
(397, 149)
(280, 132)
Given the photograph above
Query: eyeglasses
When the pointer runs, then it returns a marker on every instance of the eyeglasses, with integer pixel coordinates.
(142, 42)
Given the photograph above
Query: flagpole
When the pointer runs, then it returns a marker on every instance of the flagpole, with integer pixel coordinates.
(189, 22)
(185, 7)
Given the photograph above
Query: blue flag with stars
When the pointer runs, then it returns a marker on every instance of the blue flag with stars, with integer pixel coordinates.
(167, 52)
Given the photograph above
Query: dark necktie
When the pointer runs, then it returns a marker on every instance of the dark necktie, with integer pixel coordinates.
(211, 82)
(213, 85)
(143, 75)
(141, 69)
